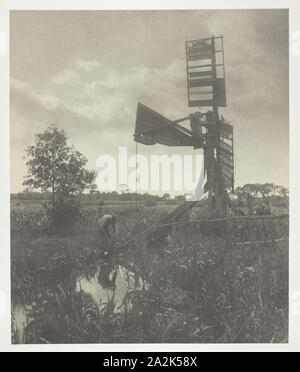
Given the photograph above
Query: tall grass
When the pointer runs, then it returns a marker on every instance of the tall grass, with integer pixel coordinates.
(209, 282)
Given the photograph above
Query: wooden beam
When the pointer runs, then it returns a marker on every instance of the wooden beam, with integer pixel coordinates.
(174, 123)
(199, 49)
(198, 57)
(200, 73)
(226, 161)
(198, 103)
(226, 147)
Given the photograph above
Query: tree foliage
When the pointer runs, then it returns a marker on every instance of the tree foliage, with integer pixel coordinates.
(264, 190)
(53, 165)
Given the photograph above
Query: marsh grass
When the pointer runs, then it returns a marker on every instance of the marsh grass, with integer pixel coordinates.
(203, 286)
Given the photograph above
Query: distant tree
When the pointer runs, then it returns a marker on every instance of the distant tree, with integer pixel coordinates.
(93, 189)
(250, 188)
(267, 188)
(28, 190)
(256, 189)
(54, 165)
(180, 198)
(238, 190)
(166, 196)
(283, 192)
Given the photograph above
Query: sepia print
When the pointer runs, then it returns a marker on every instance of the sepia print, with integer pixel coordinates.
(149, 176)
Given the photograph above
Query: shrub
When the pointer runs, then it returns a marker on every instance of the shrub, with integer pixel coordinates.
(62, 216)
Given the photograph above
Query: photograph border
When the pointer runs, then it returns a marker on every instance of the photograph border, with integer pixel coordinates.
(294, 176)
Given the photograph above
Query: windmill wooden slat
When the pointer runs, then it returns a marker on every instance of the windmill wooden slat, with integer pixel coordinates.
(208, 131)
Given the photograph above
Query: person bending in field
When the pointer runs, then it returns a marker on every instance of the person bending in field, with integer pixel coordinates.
(107, 227)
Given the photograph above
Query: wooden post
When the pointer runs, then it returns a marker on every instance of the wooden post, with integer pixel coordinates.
(209, 150)
(218, 199)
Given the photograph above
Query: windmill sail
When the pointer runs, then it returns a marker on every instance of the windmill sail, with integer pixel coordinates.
(205, 77)
(152, 127)
(225, 154)
(201, 187)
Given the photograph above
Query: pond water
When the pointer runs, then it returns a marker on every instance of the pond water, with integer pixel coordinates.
(108, 284)
(104, 283)
(19, 322)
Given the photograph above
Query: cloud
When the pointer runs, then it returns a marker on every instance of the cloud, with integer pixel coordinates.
(23, 90)
(94, 99)
(88, 79)
(95, 104)
(89, 92)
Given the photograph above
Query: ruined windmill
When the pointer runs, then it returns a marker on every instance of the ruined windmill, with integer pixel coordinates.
(209, 131)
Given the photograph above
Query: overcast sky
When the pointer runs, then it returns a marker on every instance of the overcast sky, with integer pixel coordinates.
(86, 71)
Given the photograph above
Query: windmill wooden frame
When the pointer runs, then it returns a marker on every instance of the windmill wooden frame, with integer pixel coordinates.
(205, 69)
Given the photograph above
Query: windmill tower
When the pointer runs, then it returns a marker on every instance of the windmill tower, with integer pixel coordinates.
(206, 90)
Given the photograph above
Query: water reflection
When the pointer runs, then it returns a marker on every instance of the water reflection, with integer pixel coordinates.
(19, 322)
(101, 287)
(109, 284)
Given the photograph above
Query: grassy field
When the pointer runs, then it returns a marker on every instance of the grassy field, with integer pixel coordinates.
(209, 282)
